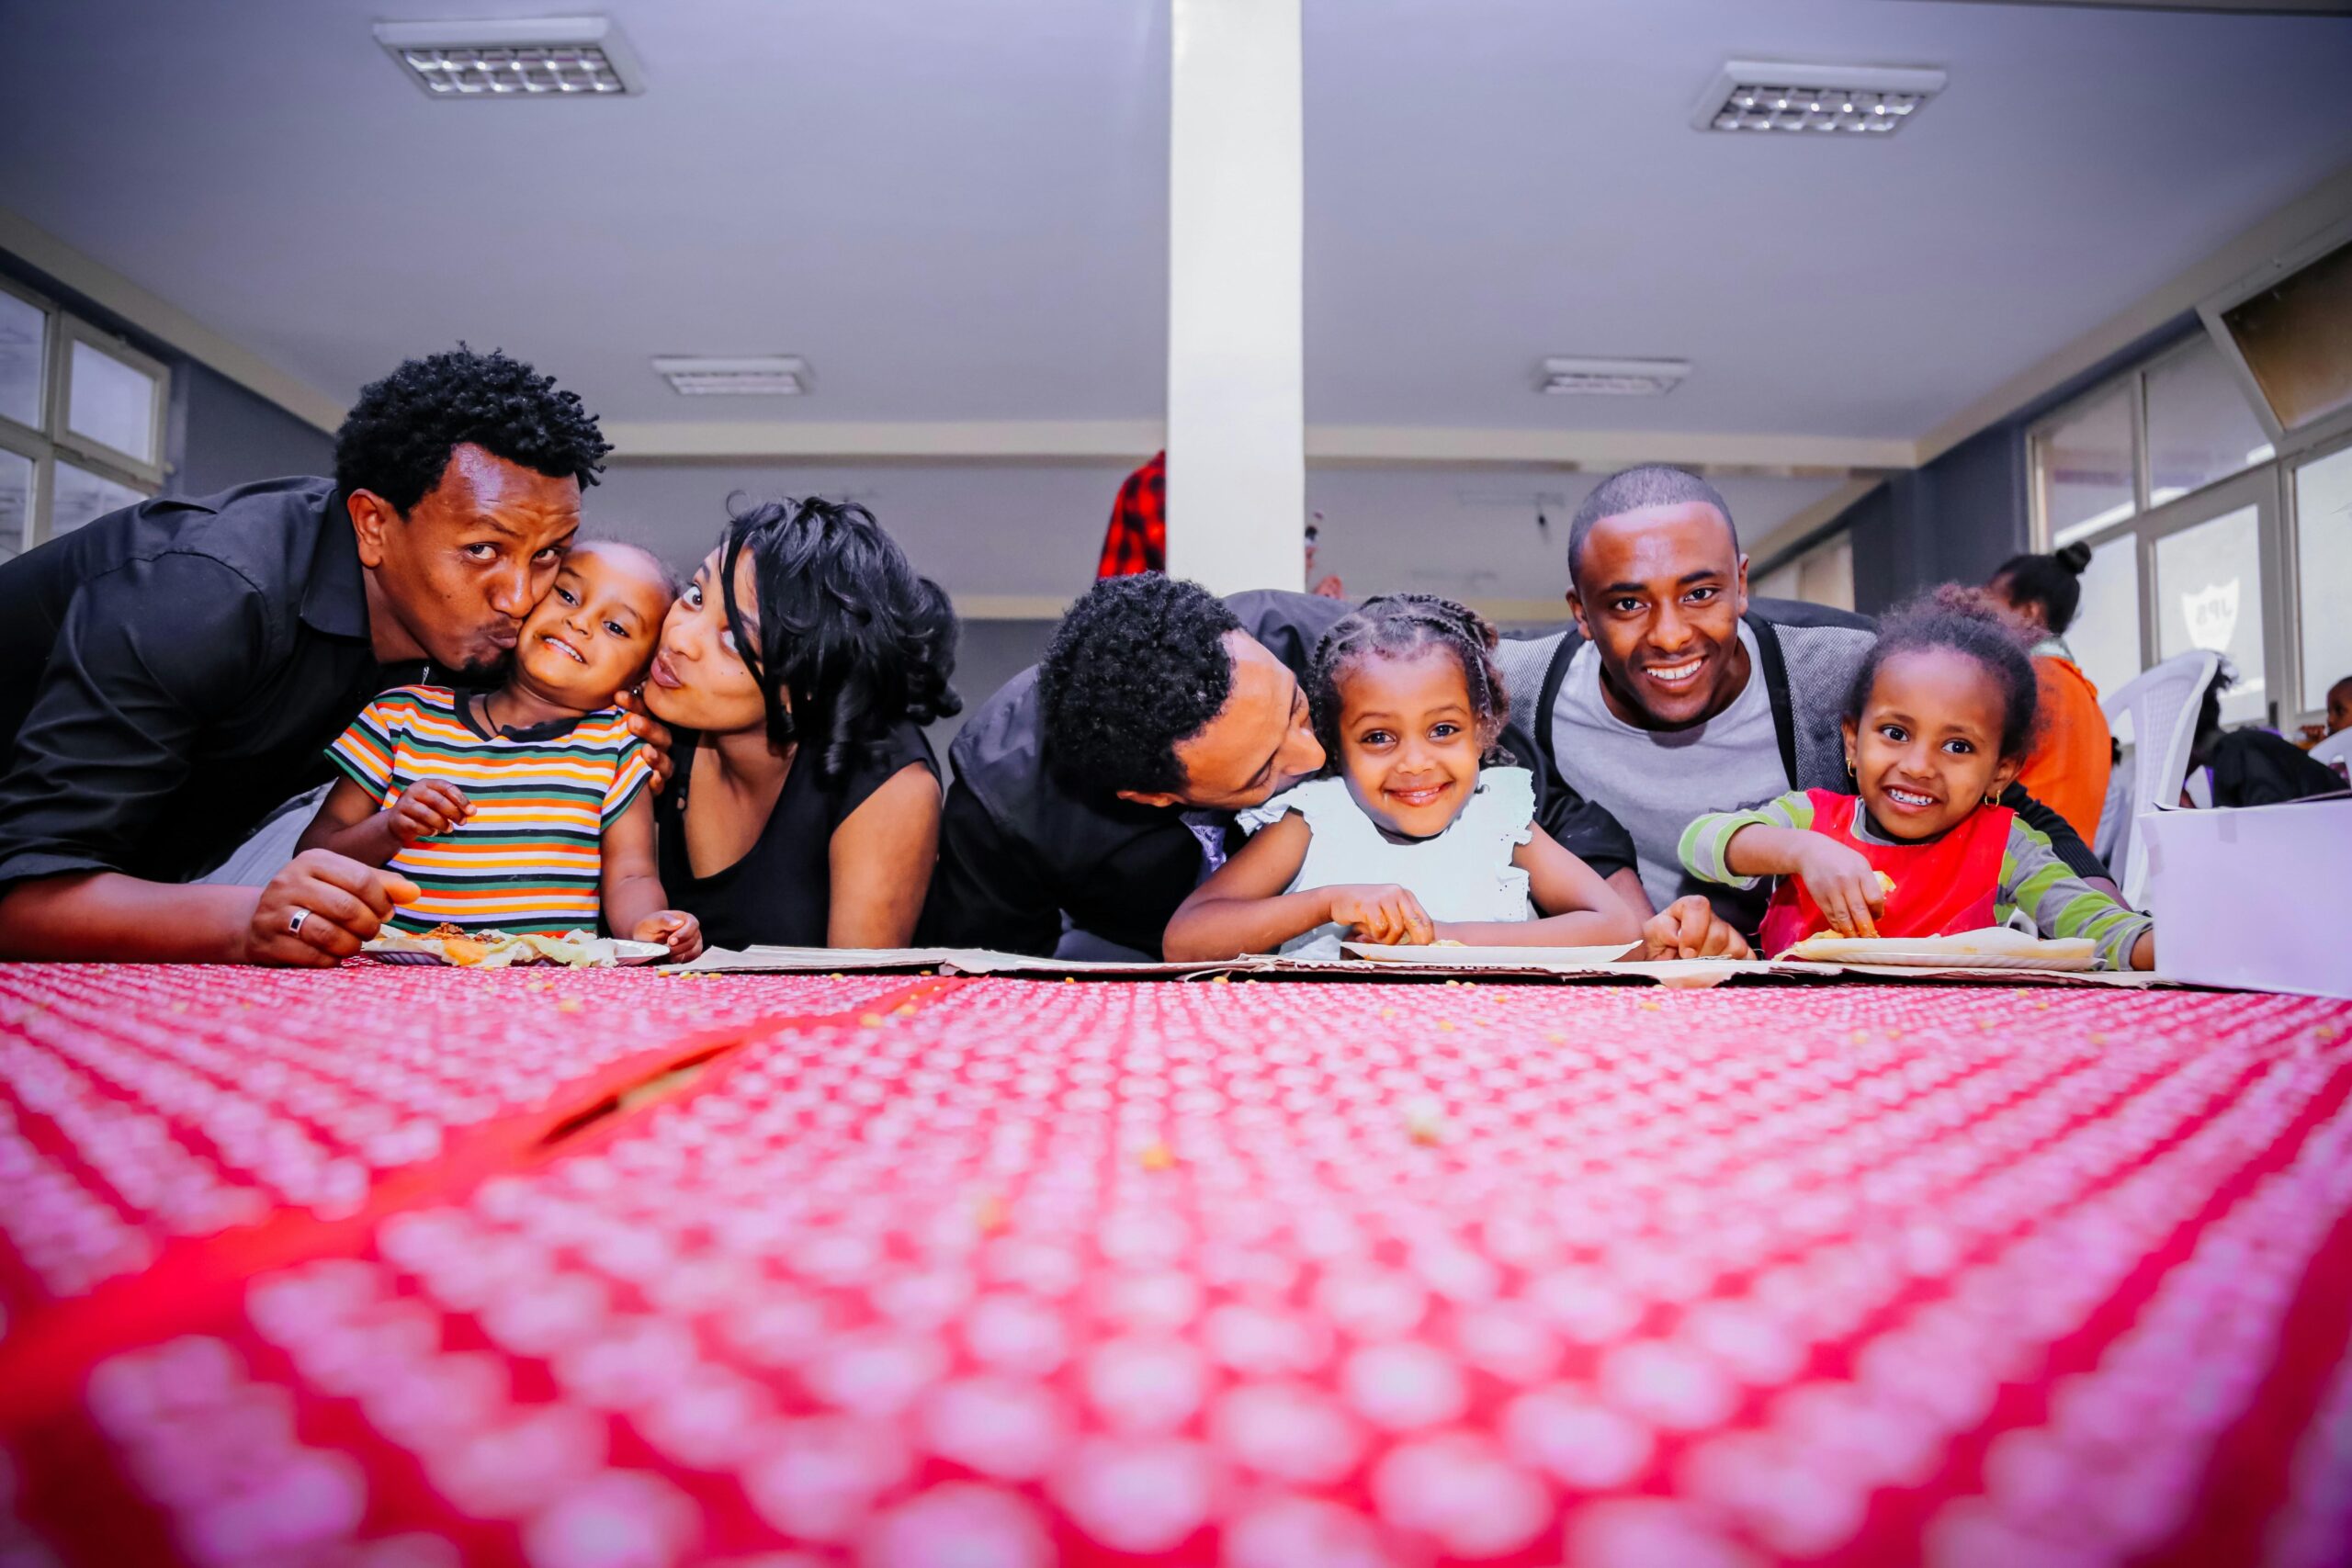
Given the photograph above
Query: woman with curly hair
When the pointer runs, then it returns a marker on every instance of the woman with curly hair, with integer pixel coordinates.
(799, 669)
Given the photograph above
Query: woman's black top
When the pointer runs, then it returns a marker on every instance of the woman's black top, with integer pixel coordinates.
(780, 893)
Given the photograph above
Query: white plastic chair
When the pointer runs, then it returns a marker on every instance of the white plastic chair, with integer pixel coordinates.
(2163, 704)
(2335, 751)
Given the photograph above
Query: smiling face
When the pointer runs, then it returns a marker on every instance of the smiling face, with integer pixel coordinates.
(1259, 744)
(1660, 591)
(698, 679)
(1928, 750)
(593, 633)
(1408, 740)
(452, 579)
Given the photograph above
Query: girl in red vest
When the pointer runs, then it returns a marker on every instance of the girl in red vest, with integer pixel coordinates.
(1939, 721)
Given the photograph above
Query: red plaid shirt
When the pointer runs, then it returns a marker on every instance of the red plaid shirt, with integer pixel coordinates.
(1138, 537)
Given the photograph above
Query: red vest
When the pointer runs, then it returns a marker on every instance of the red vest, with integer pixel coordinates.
(1940, 888)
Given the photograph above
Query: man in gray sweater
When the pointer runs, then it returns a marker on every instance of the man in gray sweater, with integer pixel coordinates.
(1675, 694)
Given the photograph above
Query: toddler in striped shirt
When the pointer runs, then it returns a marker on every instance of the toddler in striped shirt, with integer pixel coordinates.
(1939, 721)
(524, 810)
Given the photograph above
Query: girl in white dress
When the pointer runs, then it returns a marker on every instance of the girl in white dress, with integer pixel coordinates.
(1406, 839)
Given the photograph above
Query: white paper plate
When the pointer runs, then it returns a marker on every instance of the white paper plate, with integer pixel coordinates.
(610, 952)
(1436, 957)
(1990, 949)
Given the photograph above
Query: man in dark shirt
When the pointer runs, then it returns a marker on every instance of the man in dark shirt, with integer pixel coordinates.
(172, 672)
(2252, 766)
(1095, 790)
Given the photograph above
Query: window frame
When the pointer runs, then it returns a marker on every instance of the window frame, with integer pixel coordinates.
(2337, 439)
(50, 440)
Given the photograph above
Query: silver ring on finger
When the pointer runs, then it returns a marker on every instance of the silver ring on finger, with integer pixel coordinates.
(294, 921)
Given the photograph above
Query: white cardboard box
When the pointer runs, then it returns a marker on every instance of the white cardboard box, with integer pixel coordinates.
(2258, 897)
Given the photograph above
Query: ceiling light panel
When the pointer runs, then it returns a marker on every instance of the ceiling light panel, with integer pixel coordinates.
(773, 376)
(1831, 100)
(1612, 377)
(539, 57)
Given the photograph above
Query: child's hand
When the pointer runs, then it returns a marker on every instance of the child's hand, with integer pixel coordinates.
(1388, 915)
(675, 930)
(1844, 883)
(426, 807)
(1690, 928)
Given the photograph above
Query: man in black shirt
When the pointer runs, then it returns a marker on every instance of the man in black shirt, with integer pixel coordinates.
(172, 672)
(1097, 789)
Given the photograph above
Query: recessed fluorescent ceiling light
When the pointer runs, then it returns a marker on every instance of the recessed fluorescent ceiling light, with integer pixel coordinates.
(538, 56)
(1780, 95)
(1612, 377)
(770, 377)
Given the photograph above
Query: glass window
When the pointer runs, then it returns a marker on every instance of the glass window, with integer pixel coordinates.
(2209, 595)
(83, 497)
(16, 501)
(2104, 636)
(24, 337)
(2085, 468)
(2324, 568)
(2200, 427)
(111, 402)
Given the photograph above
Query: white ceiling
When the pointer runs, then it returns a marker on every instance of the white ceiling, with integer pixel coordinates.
(956, 212)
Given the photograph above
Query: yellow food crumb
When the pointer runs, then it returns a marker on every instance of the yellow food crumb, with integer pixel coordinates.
(906, 1010)
(1425, 1122)
(1652, 1007)
(993, 1214)
(1886, 883)
(1221, 980)
(1446, 1025)
(869, 1020)
(570, 1004)
(1861, 1036)
(1156, 1156)
(2098, 1037)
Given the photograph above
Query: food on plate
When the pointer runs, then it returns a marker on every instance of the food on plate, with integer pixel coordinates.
(491, 949)
(1999, 946)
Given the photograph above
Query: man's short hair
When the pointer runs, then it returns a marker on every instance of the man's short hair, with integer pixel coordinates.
(1630, 490)
(1138, 664)
(397, 439)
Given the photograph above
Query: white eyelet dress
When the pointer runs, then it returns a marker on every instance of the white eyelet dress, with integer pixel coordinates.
(1463, 874)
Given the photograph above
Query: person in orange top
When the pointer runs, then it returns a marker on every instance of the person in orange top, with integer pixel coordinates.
(2074, 749)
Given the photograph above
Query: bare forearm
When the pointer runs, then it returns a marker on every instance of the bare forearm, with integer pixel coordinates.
(105, 915)
(1227, 928)
(630, 901)
(1627, 884)
(371, 841)
(1761, 851)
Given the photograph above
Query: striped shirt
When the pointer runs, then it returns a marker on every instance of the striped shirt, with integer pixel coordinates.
(530, 858)
(2033, 879)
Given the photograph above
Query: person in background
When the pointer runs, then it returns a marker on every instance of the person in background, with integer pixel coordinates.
(2073, 751)
(1410, 836)
(2251, 766)
(799, 667)
(2339, 713)
(1937, 726)
(1137, 539)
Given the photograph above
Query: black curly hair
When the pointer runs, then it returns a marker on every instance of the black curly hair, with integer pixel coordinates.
(2053, 581)
(1963, 621)
(1397, 626)
(397, 439)
(1138, 665)
(851, 641)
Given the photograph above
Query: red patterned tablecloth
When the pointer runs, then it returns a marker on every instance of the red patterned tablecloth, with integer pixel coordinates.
(384, 1268)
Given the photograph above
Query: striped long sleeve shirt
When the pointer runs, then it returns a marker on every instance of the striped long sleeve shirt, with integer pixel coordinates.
(2033, 878)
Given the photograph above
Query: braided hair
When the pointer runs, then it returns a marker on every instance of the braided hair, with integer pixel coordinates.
(1963, 621)
(1397, 626)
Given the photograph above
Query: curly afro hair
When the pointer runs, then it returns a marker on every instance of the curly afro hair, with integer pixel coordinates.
(1398, 625)
(851, 641)
(397, 439)
(1138, 664)
(1960, 620)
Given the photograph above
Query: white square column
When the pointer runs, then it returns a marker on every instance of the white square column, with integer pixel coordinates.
(1236, 410)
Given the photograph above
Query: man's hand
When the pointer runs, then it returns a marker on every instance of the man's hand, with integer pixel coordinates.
(675, 930)
(1388, 915)
(339, 903)
(1844, 883)
(652, 732)
(1690, 928)
(427, 807)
